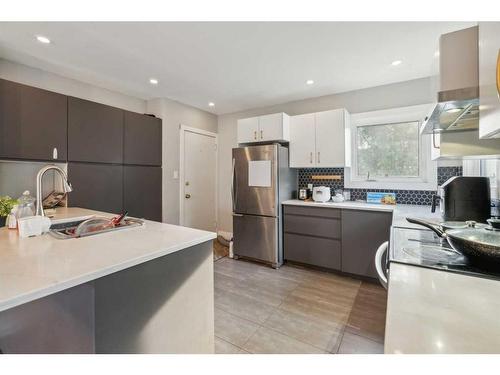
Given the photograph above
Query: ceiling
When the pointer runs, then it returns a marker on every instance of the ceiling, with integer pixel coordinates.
(236, 65)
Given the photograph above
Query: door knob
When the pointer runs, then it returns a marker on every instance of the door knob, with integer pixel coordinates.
(188, 196)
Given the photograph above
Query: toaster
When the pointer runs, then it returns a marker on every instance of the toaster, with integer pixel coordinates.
(321, 194)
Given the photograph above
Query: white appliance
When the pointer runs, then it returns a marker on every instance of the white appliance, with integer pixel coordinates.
(321, 194)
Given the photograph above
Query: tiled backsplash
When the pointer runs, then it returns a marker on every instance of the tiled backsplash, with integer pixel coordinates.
(422, 197)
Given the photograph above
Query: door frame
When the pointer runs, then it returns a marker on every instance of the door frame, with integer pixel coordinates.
(183, 130)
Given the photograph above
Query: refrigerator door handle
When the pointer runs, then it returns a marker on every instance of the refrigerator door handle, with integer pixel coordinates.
(237, 215)
(233, 175)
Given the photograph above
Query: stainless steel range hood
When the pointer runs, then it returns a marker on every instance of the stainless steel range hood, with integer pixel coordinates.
(457, 107)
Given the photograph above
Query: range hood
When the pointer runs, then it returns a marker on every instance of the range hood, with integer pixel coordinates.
(457, 107)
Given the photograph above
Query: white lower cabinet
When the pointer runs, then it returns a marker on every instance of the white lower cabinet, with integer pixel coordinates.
(319, 139)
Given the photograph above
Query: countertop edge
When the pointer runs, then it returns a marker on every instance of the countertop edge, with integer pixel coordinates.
(67, 284)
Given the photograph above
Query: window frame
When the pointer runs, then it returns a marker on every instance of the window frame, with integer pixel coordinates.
(427, 179)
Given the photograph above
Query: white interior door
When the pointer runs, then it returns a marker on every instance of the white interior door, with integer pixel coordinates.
(198, 180)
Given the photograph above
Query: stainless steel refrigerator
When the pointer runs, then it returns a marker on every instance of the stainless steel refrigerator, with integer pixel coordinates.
(261, 180)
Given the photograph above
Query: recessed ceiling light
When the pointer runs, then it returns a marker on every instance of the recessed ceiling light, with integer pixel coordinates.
(309, 82)
(436, 54)
(211, 104)
(396, 62)
(42, 39)
(153, 81)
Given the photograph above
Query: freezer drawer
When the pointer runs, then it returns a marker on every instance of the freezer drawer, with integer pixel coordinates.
(257, 237)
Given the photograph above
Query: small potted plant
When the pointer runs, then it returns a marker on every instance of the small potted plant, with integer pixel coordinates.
(6, 205)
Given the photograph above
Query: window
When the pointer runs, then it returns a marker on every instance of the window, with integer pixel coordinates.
(388, 152)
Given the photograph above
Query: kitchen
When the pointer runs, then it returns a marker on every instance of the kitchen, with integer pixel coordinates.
(243, 214)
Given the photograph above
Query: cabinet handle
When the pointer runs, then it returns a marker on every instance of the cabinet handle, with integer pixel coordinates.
(311, 158)
(319, 160)
(54, 153)
(261, 134)
(255, 135)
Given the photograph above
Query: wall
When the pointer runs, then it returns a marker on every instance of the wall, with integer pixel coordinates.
(53, 82)
(175, 114)
(420, 91)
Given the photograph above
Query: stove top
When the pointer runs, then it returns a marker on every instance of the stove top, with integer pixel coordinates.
(423, 248)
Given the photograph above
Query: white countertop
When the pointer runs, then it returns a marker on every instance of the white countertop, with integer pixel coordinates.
(31, 268)
(430, 311)
(400, 211)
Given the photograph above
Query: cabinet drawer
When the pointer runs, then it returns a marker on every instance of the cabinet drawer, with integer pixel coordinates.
(312, 211)
(313, 226)
(320, 252)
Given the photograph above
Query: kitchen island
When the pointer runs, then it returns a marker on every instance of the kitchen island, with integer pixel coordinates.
(147, 289)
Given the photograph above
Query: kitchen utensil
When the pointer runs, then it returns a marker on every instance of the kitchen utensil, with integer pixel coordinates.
(303, 194)
(479, 245)
(94, 224)
(118, 219)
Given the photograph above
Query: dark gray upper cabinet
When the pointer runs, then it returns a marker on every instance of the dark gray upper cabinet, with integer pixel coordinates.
(33, 123)
(96, 186)
(142, 192)
(142, 139)
(10, 119)
(362, 233)
(95, 132)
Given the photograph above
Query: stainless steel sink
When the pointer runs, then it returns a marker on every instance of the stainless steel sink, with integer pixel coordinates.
(69, 229)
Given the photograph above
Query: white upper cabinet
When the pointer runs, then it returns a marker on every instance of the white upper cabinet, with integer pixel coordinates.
(248, 130)
(319, 139)
(330, 138)
(489, 79)
(273, 127)
(302, 141)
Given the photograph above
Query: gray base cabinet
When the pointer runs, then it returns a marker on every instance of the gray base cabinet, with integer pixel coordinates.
(142, 192)
(362, 233)
(342, 240)
(313, 236)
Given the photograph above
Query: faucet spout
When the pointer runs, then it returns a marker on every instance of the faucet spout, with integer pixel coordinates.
(66, 185)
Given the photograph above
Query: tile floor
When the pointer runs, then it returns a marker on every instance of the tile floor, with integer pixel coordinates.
(295, 310)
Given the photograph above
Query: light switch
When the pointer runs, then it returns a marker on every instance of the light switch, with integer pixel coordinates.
(176, 175)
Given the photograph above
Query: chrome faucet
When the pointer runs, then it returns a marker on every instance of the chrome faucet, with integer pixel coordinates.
(66, 185)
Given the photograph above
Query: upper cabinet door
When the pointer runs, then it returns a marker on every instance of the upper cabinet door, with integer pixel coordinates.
(10, 119)
(330, 138)
(489, 79)
(302, 141)
(33, 123)
(96, 186)
(248, 130)
(142, 191)
(44, 124)
(274, 127)
(95, 132)
(142, 139)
